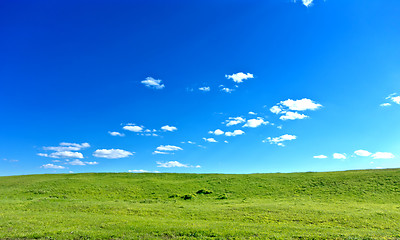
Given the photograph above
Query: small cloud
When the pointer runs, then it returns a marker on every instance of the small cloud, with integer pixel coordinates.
(382, 155)
(385, 105)
(153, 83)
(216, 132)
(112, 153)
(172, 164)
(279, 140)
(204, 89)
(253, 123)
(320, 156)
(168, 148)
(212, 140)
(159, 152)
(64, 154)
(276, 109)
(133, 128)
(234, 133)
(226, 141)
(189, 142)
(142, 171)
(91, 163)
(64, 146)
(292, 116)
(234, 121)
(239, 77)
(252, 113)
(52, 166)
(76, 162)
(339, 156)
(167, 128)
(393, 97)
(307, 3)
(227, 90)
(301, 105)
(362, 153)
(116, 134)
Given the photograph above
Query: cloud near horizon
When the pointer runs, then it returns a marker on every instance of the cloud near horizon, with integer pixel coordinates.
(112, 153)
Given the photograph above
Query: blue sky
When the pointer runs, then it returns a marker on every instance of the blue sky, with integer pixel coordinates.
(199, 86)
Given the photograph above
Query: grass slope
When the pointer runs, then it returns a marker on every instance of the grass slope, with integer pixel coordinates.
(332, 205)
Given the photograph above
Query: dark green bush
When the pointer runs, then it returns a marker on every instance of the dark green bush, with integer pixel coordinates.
(203, 191)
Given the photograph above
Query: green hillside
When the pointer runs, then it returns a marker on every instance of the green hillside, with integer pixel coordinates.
(333, 205)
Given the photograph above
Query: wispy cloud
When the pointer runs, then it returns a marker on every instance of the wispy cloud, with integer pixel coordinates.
(307, 3)
(52, 166)
(64, 146)
(171, 164)
(116, 134)
(234, 121)
(382, 155)
(234, 133)
(112, 153)
(279, 140)
(339, 156)
(394, 97)
(205, 89)
(62, 154)
(142, 171)
(168, 148)
(153, 83)
(320, 156)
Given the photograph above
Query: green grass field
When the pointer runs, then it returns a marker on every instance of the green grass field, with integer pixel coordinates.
(333, 205)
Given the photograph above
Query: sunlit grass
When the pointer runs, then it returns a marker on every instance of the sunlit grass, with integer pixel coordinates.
(337, 205)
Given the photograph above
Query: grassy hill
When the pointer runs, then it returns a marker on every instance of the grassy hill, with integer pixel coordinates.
(332, 205)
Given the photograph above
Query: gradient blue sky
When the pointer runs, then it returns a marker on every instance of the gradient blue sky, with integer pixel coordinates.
(72, 72)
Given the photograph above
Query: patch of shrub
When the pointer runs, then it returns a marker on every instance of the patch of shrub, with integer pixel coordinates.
(174, 196)
(188, 196)
(222, 196)
(203, 191)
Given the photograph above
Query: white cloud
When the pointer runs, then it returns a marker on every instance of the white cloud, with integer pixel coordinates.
(91, 163)
(210, 140)
(279, 140)
(307, 3)
(142, 171)
(339, 156)
(234, 133)
(168, 148)
(49, 165)
(226, 141)
(392, 97)
(239, 77)
(76, 162)
(292, 116)
(169, 128)
(385, 105)
(159, 152)
(153, 83)
(112, 153)
(396, 99)
(66, 154)
(172, 164)
(253, 123)
(133, 128)
(227, 90)
(362, 153)
(320, 156)
(116, 134)
(67, 147)
(216, 132)
(252, 113)
(275, 109)
(382, 155)
(234, 121)
(204, 89)
(301, 105)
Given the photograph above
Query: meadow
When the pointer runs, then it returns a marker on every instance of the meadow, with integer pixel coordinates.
(361, 204)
